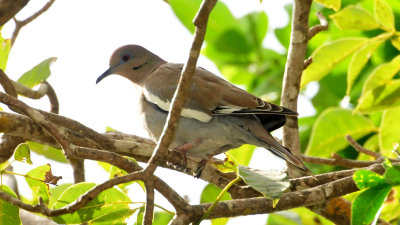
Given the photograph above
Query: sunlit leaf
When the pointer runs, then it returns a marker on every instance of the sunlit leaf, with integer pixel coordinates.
(139, 217)
(392, 175)
(110, 201)
(162, 218)
(331, 127)
(56, 192)
(367, 179)
(243, 154)
(367, 204)
(332, 4)
(355, 18)
(391, 209)
(270, 183)
(279, 219)
(381, 98)
(9, 214)
(384, 15)
(5, 47)
(308, 217)
(358, 61)
(36, 181)
(23, 154)
(382, 74)
(329, 55)
(229, 165)
(211, 192)
(389, 131)
(37, 74)
(47, 151)
(396, 41)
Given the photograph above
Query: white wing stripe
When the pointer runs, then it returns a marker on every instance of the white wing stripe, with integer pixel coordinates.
(164, 105)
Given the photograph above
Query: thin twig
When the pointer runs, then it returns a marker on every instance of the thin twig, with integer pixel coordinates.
(185, 82)
(318, 28)
(361, 149)
(22, 23)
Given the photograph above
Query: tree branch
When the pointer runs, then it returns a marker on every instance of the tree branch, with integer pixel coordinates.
(185, 82)
(8, 9)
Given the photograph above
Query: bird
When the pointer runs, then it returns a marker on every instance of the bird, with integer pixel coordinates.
(217, 116)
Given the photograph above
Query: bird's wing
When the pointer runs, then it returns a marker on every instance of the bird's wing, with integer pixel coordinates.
(209, 95)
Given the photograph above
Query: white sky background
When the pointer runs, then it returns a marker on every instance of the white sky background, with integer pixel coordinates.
(83, 34)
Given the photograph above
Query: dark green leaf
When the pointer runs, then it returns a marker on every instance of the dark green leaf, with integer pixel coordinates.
(232, 41)
(392, 175)
(37, 74)
(270, 183)
(354, 17)
(255, 25)
(331, 127)
(367, 204)
(389, 131)
(367, 179)
(110, 201)
(9, 214)
(23, 154)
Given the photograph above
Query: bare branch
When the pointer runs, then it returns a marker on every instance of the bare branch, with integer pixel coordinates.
(318, 28)
(361, 149)
(149, 210)
(185, 82)
(22, 23)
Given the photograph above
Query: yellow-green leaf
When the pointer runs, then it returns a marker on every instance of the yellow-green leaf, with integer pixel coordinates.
(37, 74)
(382, 75)
(35, 179)
(381, 98)
(9, 214)
(242, 155)
(384, 15)
(5, 47)
(389, 132)
(396, 41)
(332, 4)
(326, 57)
(358, 61)
(354, 17)
(23, 153)
(331, 127)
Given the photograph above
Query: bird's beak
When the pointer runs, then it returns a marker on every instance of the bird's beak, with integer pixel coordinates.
(107, 72)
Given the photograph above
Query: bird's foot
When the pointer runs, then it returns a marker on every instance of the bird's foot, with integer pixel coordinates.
(200, 168)
(182, 150)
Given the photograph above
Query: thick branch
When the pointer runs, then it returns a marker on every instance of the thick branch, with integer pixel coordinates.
(8, 9)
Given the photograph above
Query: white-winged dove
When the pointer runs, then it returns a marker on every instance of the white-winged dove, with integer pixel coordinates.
(217, 116)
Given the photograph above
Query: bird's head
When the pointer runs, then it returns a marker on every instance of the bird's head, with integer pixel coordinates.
(132, 62)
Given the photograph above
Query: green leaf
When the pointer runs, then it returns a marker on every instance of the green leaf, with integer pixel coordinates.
(396, 41)
(367, 204)
(229, 165)
(56, 192)
(381, 98)
(114, 218)
(47, 151)
(283, 33)
(354, 18)
(9, 214)
(331, 127)
(367, 179)
(329, 55)
(23, 153)
(220, 19)
(384, 15)
(331, 4)
(392, 175)
(358, 61)
(308, 217)
(110, 201)
(391, 209)
(270, 183)
(37, 74)
(389, 131)
(243, 154)
(162, 218)
(36, 181)
(280, 218)
(210, 194)
(139, 217)
(233, 41)
(5, 47)
(382, 74)
(255, 25)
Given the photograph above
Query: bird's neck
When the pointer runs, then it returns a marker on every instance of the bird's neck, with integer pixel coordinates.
(141, 71)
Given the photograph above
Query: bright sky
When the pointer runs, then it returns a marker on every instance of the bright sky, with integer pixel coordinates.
(83, 34)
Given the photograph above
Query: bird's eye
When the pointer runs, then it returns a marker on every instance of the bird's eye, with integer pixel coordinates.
(126, 57)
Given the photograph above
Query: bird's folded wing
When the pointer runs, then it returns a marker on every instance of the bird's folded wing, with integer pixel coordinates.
(209, 95)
